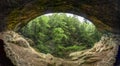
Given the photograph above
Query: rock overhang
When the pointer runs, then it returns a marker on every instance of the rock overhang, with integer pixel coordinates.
(104, 14)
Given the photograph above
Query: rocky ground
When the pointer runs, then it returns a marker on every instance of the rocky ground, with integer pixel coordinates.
(21, 53)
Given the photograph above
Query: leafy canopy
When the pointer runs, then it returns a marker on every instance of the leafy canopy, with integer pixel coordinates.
(60, 34)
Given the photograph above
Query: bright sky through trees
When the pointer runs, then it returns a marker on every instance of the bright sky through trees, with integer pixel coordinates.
(81, 19)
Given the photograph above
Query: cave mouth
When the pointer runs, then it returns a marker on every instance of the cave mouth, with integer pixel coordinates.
(4, 60)
(58, 34)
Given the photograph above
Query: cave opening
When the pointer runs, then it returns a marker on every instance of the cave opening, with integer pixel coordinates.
(4, 60)
(108, 19)
(60, 33)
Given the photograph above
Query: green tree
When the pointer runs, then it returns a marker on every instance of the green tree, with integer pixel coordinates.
(60, 34)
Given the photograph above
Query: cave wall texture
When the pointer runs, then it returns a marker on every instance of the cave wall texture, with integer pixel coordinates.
(4, 60)
(103, 13)
(18, 50)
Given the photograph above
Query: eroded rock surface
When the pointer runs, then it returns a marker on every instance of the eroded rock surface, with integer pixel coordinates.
(21, 53)
(14, 14)
(102, 54)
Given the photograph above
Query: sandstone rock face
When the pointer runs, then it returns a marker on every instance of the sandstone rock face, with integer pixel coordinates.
(103, 13)
(4, 60)
(102, 54)
(21, 53)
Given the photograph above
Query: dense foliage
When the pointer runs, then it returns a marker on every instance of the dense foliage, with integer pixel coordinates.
(60, 34)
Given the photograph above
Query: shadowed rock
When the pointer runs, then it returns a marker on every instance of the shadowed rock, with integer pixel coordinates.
(14, 14)
(4, 60)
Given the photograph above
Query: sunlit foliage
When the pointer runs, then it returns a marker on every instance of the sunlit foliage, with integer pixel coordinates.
(60, 34)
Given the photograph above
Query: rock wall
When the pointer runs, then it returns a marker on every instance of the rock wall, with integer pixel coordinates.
(102, 54)
(14, 14)
(21, 53)
(4, 60)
